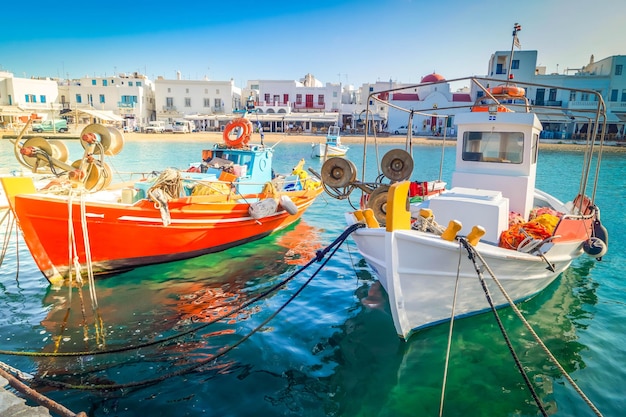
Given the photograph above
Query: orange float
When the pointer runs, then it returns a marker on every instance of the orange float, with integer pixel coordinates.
(242, 139)
(501, 109)
(507, 90)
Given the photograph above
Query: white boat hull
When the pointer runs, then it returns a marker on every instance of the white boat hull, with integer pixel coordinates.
(319, 150)
(419, 272)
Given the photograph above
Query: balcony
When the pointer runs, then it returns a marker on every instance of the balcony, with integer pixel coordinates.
(591, 104)
(309, 107)
(123, 105)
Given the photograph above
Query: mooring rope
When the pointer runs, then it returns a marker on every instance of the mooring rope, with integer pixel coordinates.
(320, 254)
(473, 254)
(224, 350)
(449, 346)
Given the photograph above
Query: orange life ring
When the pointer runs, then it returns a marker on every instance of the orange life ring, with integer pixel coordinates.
(507, 90)
(246, 129)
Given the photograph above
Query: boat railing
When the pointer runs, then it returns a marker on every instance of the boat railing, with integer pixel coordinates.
(593, 119)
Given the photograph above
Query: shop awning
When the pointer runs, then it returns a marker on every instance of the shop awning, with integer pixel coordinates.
(107, 115)
(13, 111)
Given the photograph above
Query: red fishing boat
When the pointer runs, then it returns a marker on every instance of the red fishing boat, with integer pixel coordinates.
(83, 224)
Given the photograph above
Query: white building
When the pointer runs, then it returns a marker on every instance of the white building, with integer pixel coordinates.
(25, 97)
(307, 105)
(123, 100)
(209, 104)
(605, 77)
(434, 106)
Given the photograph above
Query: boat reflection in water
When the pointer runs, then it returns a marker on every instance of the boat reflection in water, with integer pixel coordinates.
(479, 356)
(157, 302)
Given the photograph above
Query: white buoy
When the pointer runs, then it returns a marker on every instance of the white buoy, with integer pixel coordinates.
(288, 205)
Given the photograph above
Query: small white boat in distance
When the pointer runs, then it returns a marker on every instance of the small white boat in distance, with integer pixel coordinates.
(332, 146)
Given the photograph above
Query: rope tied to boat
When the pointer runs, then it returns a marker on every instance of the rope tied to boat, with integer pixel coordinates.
(168, 186)
(225, 313)
(474, 255)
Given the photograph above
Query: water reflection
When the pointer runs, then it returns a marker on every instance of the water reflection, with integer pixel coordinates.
(155, 302)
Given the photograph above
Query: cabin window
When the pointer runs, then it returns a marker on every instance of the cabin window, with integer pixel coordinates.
(503, 147)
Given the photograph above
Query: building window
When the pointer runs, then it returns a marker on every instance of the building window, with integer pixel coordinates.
(217, 91)
(572, 96)
(595, 96)
(101, 98)
(623, 96)
(93, 82)
(613, 95)
(186, 91)
(618, 69)
(187, 102)
(298, 98)
(584, 96)
(499, 69)
(218, 104)
(207, 102)
(30, 98)
(105, 83)
(285, 98)
(266, 97)
(320, 99)
(90, 99)
(169, 102)
(515, 64)
(130, 83)
(137, 83)
(79, 99)
(42, 99)
(552, 94)
(169, 90)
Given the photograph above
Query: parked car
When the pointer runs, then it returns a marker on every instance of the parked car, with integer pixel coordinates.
(403, 130)
(50, 126)
(182, 126)
(155, 127)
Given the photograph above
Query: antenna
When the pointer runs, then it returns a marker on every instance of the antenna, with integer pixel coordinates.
(516, 28)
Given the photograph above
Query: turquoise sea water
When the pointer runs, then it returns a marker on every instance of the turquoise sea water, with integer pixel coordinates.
(326, 353)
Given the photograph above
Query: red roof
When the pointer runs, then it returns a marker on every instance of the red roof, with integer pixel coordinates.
(432, 78)
(461, 97)
(405, 97)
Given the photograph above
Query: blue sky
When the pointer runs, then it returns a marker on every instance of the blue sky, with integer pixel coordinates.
(349, 41)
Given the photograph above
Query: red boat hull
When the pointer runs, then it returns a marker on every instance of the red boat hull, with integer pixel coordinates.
(121, 237)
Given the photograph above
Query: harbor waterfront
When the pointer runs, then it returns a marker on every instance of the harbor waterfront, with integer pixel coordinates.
(333, 350)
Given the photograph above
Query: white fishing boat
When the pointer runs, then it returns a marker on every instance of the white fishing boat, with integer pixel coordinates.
(332, 146)
(491, 225)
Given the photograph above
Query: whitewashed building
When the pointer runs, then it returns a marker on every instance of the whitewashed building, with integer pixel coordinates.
(607, 77)
(208, 104)
(307, 105)
(124, 100)
(24, 97)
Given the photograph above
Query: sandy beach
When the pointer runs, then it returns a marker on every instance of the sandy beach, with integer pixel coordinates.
(272, 138)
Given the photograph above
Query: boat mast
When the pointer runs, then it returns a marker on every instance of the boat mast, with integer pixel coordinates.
(516, 28)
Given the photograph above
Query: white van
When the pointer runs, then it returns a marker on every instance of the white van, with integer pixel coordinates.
(182, 126)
